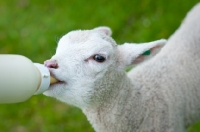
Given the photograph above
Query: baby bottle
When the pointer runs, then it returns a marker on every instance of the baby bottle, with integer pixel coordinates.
(20, 78)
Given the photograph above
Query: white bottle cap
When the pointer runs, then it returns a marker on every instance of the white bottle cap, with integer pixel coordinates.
(45, 78)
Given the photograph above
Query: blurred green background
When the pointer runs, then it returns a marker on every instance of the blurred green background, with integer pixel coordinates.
(33, 27)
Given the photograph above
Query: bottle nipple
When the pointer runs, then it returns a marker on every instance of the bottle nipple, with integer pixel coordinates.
(53, 80)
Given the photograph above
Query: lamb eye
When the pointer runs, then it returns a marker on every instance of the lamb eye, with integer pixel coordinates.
(99, 58)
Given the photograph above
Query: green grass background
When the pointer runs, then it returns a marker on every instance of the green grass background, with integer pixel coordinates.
(33, 27)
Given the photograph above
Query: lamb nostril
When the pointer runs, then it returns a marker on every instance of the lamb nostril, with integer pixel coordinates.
(51, 64)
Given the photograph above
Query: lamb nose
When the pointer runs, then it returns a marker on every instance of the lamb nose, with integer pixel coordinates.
(51, 64)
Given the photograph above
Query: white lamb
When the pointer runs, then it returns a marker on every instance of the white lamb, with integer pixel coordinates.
(160, 95)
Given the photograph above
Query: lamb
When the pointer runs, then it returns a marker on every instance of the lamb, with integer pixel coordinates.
(161, 94)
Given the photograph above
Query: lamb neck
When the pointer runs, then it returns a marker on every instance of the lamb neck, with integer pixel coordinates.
(123, 109)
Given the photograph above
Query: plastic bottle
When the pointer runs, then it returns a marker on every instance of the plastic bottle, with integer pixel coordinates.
(20, 78)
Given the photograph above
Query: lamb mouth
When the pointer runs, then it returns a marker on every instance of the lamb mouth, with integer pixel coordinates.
(55, 80)
(53, 85)
(57, 83)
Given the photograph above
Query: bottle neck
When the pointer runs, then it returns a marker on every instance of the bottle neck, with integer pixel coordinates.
(44, 78)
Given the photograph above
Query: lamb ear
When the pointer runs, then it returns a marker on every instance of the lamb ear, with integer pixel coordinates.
(130, 54)
(103, 29)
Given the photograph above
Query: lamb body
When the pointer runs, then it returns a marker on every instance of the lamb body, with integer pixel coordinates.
(160, 95)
